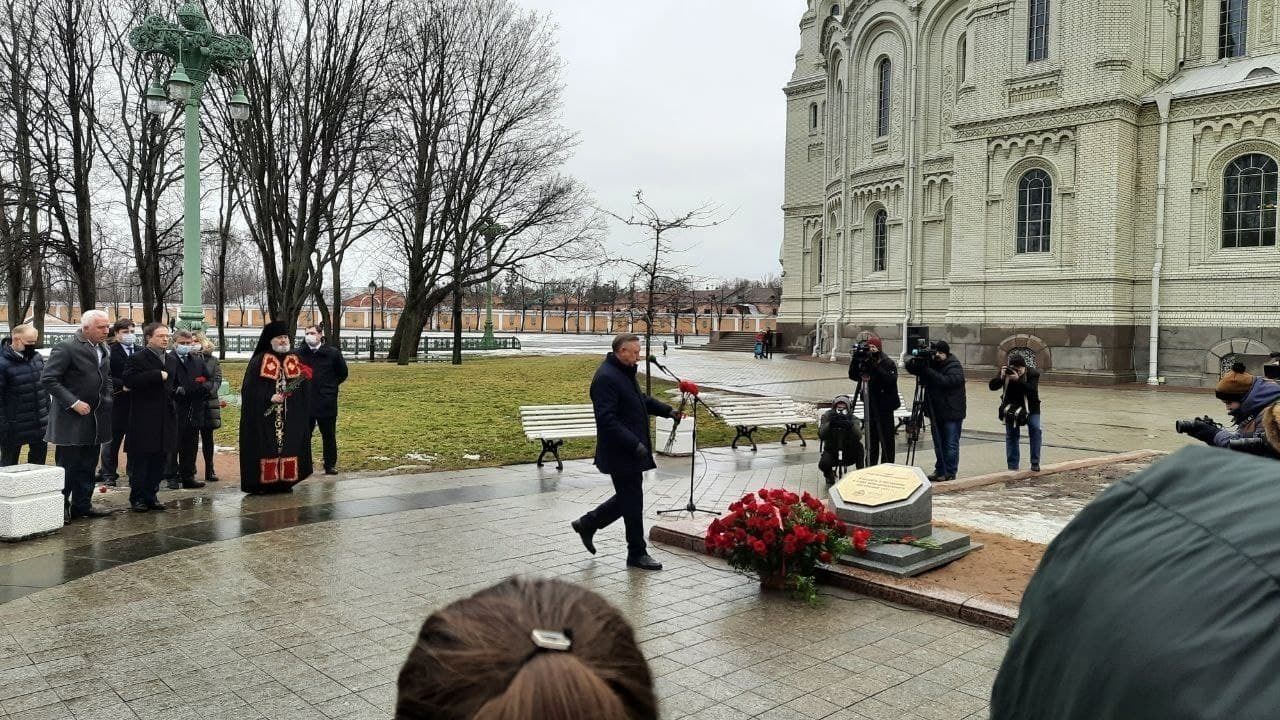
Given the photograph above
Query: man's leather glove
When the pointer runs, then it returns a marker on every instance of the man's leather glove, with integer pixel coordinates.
(1203, 431)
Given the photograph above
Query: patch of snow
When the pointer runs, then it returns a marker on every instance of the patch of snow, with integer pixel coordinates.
(421, 457)
(470, 457)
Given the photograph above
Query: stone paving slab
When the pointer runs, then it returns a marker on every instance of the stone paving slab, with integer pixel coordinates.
(314, 621)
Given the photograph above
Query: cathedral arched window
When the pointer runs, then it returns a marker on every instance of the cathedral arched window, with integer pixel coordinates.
(1037, 30)
(819, 249)
(1249, 195)
(835, 11)
(885, 75)
(880, 242)
(813, 116)
(1233, 17)
(1035, 211)
(962, 53)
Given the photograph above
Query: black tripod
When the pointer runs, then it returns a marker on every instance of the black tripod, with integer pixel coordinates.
(915, 423)
(691, 507)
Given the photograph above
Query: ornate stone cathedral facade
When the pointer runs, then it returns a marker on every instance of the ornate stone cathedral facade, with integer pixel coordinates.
(1089, 183)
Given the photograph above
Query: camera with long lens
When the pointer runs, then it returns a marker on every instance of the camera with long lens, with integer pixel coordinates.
(1253, 446)
(1190, 427)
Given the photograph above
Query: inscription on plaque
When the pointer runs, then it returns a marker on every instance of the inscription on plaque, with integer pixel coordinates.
(878, 485)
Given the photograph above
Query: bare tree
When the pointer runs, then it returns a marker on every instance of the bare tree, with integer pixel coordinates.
(658, 264)
(317, 77)
(474, 189)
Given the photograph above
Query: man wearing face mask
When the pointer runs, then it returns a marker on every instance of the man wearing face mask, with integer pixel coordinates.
(121, 340)
(329, 371)
(24, 404)
(275, 420)
(191, 389)
(153, 429)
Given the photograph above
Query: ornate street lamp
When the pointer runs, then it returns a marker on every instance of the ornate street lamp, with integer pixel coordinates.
(490, 230)
(197, 53)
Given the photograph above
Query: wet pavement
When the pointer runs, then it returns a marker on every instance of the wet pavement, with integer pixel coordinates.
(305, 605)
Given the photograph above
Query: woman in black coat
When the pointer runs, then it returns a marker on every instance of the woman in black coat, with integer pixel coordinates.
(24, 404)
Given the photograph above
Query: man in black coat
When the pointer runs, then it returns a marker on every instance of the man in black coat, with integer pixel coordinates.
(152, 433)
(879, 375)
(78, 380)
(191, 389)
(121, 342)
(24, 404)
(329, 370)
(944, 402)
(1019, 405)
(624, 450)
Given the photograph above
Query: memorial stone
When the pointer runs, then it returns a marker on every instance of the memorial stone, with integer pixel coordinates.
(31, 501)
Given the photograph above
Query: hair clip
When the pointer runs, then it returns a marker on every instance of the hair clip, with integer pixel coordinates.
(551, 640)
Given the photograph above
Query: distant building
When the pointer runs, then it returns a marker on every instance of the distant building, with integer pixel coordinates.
(1091, 184)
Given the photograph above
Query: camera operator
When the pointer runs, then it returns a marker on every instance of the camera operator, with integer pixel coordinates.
(1252, 404)
(841, 436)
(1019, 405)
(879, 375)
(944, 403)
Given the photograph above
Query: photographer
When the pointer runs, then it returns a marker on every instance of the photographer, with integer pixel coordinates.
(841, 436)
(944, 403)
(1019, 405)
(879, 375)
(1251, 403)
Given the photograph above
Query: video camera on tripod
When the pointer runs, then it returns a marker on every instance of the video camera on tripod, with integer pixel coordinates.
(861, 359)
(919, 354)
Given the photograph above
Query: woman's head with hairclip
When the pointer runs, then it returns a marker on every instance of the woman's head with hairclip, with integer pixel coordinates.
(526, 648)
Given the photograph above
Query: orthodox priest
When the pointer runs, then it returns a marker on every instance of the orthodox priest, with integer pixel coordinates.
(275, 422)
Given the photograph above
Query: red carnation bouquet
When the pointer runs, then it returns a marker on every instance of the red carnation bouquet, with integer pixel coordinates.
(780, 537)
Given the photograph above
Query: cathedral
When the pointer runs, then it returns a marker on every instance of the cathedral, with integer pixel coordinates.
(1091, 184)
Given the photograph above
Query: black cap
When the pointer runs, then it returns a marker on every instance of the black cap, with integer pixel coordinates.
(942, 347)
(1017, 361)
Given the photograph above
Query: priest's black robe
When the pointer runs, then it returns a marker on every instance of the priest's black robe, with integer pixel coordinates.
(275, 447)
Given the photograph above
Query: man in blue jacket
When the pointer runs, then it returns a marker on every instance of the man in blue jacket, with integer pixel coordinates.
(623, 448)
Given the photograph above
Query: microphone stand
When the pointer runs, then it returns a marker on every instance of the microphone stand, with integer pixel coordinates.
(690, 507)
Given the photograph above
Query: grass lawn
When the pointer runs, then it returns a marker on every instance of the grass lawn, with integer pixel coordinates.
(436, 414)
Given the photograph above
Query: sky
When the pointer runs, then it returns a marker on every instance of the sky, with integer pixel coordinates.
(683, 99)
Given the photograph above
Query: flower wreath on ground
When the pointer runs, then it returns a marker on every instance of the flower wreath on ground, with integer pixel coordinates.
(780, 537)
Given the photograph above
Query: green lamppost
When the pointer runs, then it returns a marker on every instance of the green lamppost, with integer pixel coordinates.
(490, 230)
(197, 53)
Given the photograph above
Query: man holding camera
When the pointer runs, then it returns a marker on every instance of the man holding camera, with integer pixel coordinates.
(944, 402)
(1251, 402)
(1019, 405)
(879, 376)
(841, 437)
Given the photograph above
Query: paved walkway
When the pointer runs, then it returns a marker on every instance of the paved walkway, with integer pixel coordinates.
(232, 609)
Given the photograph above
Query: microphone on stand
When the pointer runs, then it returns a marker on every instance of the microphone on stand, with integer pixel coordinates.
(689, 387)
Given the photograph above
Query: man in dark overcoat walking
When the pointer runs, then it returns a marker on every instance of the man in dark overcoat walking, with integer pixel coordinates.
(624, 450)
(153, 425)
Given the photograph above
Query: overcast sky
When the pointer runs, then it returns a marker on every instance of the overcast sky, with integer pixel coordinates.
(683, 99)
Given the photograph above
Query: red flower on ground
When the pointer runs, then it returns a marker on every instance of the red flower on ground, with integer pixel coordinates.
(824, 556)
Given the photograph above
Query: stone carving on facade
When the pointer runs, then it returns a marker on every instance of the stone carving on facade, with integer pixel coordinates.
(1267, 17)
(1039, 120)
(1195, 29)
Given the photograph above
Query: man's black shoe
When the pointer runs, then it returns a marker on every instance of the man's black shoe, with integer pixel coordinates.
(173, 485)
(948, 478)
(936, 478)
(90, 513)
(330, 471)
(1035, 468)
(210, 477)
(192, 484)
(585, 534)
(109, 481)
(158, 507)
(644, 562)
(139, 507)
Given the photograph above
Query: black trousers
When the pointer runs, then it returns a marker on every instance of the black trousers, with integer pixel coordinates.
(78, 463)
(36, 453)
(880, 436)
(328, 439)
(627, 503)
(144, 480)
(109, 463)
(188, 446)
(206, 449)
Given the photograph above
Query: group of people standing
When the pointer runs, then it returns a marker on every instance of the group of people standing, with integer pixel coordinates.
(102, 391)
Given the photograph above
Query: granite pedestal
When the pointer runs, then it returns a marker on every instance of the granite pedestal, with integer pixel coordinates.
(31, 501)
(895, 501)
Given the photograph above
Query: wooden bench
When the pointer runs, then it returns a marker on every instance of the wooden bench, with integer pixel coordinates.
(553, 424)
(900, 416)
(748, 414)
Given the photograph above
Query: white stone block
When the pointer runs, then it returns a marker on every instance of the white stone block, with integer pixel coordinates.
(31, 501)
(683, 444)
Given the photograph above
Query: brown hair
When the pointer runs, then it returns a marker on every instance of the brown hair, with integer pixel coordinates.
(623, 339)
(476, 659)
